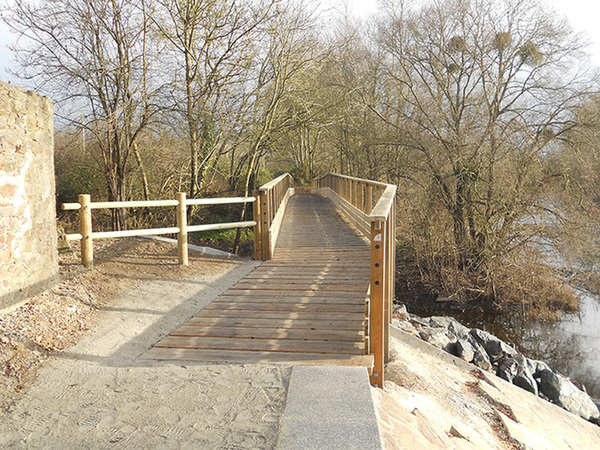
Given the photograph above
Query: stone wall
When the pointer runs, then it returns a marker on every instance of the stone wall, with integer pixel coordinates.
(28, 237)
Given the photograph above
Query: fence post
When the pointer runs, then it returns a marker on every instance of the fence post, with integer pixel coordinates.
(389, 264)
(369, 199)
(376, 322)
(182, 248)
(391, 269)
(258, 227)
(265, 212)
(85, 228)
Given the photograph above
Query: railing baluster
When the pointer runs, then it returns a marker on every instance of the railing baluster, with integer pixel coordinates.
(369, 202)
(258, 247)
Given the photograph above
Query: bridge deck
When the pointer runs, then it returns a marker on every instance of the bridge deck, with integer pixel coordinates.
(306, 305)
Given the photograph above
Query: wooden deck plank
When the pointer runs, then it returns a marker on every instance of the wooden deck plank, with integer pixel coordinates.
(186, 354)
(288, 307)
(340, 301)
(270, 333)
(299, 286)
(284, 293)
(306, 305)
(263, 345)
(279, 324)
(285, 315)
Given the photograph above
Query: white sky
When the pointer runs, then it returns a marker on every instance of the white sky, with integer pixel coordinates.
(584, 16)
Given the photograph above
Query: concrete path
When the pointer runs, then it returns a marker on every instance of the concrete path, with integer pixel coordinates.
(329, 407)
(99, 394)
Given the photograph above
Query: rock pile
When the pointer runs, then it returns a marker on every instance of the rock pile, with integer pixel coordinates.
(489, 353)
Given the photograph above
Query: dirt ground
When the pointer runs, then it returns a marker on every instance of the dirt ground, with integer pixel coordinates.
(57, 319)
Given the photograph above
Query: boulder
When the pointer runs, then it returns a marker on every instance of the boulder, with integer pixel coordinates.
(535, 367)
(400, 312)
(525, 380)
(507, 368)
(459, 329)
(440, 321)
(515, 370)
(494, 347)
(597, 403)
(439, 337)
(565, 394)
(480, 356)
(418, 322)
(464, 350)
(405, 326)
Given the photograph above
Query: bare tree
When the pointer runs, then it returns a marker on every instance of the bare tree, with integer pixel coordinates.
(212, 41)
(94, 58)
(478, 91)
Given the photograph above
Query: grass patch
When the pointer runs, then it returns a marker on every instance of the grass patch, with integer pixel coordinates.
(224, 240)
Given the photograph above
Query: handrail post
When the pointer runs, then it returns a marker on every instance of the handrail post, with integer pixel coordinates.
(258, 227)
(85, 228)
(389, 264)
(182, 248)
(377, 319)
(265, 213)
(391, 286)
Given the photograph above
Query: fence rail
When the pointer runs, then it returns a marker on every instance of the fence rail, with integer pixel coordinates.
(371, 207)
(270, 207)
(86, 235)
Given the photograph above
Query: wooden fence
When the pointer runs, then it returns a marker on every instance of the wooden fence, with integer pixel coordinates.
(371, 207)
(87, 236)
(270, 206)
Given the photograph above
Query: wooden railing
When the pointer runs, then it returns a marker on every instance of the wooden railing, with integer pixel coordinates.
(87, 236)
(270, 206)
(371, 207)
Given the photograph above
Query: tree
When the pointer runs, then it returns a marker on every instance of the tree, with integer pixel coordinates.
(212, 40)
(94, 57)
(478, 91)
(574, 166)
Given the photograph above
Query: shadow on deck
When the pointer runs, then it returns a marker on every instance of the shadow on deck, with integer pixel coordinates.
(306, 305)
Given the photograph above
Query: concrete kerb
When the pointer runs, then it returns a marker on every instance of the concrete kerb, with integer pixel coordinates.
(206, 250)
(329, 407)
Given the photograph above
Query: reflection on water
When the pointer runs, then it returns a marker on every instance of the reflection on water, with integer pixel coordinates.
(571, 345)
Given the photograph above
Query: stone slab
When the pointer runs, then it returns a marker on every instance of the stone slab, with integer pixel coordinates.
(329, 407)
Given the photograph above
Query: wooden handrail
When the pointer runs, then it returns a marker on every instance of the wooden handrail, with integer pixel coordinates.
(385, 204)
(361, 180)
(87, 236)
(156, 203)
(371, 207)
(270, 206)
(271, 184)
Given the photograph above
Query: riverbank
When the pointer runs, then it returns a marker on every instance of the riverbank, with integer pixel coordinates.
(433, 400)
(492, 354)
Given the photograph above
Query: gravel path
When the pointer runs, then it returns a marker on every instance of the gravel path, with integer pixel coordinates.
(102, 393)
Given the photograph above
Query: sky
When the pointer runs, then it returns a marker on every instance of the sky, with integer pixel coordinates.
(582, 14)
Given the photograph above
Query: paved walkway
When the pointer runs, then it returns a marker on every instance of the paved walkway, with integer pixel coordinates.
(99, 394)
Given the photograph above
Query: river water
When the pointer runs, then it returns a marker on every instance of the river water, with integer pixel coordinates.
(570, 345)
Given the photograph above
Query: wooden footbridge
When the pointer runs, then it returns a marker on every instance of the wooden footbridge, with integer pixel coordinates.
(323, 294)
